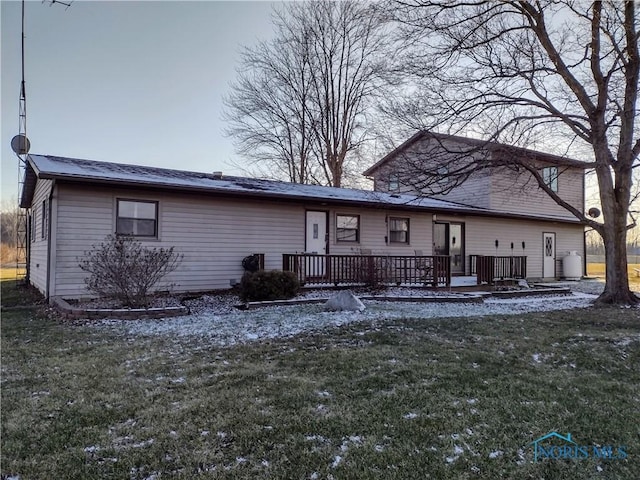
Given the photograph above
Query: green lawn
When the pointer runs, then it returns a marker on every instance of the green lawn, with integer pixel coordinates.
(447, 398)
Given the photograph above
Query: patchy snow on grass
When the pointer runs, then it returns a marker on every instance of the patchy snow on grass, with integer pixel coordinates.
(230, 327)
(143, 444)
(496, 454)
(457, 451)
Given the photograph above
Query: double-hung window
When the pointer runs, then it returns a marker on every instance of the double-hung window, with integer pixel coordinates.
(138, 218)
(550, 177)
(347, 228)
(394, 182)
(398, 230)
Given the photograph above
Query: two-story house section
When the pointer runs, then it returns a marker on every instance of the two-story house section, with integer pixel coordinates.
(428, 164)
(490, 175)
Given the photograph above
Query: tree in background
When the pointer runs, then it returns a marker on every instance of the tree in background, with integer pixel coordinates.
(298, 108)
(9, 213)
(557, 71)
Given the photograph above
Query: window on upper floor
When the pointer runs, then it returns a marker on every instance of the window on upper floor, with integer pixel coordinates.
(394, 182)
(550, 177)
(442, 179)
(348, 228)
(138, 218)
(398, 230)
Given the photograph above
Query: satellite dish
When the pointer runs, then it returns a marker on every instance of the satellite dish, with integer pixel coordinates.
(594, 212)
(20, 144)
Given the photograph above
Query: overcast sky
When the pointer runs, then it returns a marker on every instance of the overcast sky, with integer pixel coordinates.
(130, 82)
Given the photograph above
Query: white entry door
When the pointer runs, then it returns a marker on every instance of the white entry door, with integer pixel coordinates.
(548, 255)
(316, 242)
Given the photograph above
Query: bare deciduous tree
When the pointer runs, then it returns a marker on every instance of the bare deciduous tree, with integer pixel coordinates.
(9, 212)
(297, 109)
(560, 73)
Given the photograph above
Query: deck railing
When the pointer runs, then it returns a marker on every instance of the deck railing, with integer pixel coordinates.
(490, 268)
(473, 262)
(311, 269)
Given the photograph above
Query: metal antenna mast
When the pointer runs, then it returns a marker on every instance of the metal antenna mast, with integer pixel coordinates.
(20, 145)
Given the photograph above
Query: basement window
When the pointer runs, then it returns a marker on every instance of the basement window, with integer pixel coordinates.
(137, 218)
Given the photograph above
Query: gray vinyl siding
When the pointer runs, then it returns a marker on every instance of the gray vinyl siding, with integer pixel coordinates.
(503, 191)
(85, 217)
(212, 234)
(374, 234)
(521, 194)
(481, 234)
(38, 263)
(475, 191)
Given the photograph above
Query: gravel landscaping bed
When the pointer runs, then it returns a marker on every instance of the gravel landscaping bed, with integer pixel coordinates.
(215, 320)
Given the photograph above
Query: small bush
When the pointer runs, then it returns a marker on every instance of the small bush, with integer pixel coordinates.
(123, 269)
(266, 285)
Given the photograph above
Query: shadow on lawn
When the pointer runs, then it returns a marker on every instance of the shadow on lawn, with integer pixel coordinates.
(14, 293)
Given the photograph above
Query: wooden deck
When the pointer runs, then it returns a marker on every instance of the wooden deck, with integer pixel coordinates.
(425, 270)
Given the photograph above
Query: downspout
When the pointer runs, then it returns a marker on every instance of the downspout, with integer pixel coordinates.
(584, 232)
(28, 247)
(49, 238)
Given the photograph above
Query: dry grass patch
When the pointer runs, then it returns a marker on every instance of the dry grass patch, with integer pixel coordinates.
(10, 273)
(8, 254)
(598, 270)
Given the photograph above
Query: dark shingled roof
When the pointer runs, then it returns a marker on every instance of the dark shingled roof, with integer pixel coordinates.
(476, 144)
(64, 169)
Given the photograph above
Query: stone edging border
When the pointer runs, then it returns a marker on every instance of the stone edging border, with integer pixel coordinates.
(75, 313)
(469, 298)
(71, 312)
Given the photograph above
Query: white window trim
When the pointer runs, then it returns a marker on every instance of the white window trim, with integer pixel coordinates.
(408, 240)
(156, 234)
(357, 229)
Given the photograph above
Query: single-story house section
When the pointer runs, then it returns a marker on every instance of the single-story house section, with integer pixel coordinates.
(214, 221)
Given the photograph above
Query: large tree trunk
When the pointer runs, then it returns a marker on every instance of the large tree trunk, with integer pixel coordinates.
(617, 281)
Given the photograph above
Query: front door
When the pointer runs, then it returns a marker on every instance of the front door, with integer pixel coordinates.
(548, 255)
(456, 248)
(316, 242)
(448, 239)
